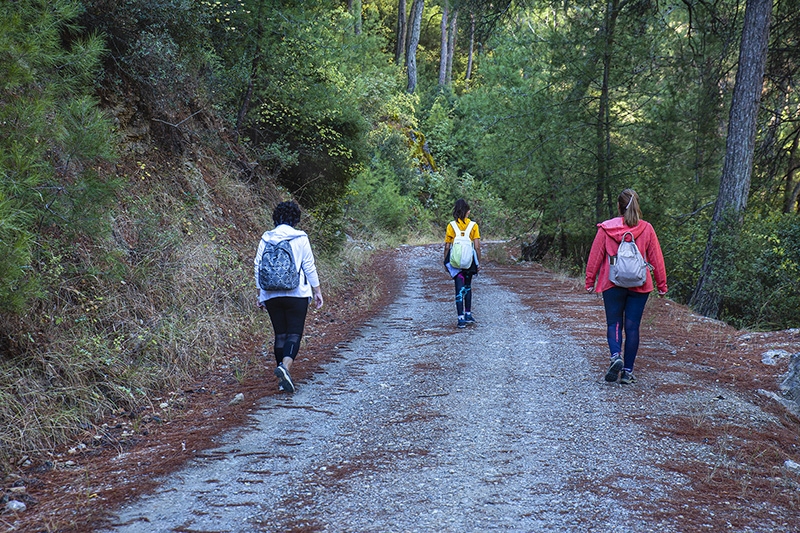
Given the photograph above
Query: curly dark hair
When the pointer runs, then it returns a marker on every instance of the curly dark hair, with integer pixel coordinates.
(286, 213)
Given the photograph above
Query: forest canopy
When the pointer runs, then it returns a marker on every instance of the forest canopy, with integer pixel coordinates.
(376, 115)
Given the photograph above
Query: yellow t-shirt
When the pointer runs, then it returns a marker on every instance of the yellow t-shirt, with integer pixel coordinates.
(450, 235)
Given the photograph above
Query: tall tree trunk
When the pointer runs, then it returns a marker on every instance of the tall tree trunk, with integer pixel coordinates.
(471, 47)
(705, 121)
(443, 46)
(354, 7)
(400, 47)
(451, 46)
(734, 186)
(792, 187)
(254, 64)
(604, 201)
(414, 25)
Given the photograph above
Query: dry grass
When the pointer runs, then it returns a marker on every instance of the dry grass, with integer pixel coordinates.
(134, 314)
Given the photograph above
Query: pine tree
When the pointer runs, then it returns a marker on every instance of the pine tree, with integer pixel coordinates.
(50, 125)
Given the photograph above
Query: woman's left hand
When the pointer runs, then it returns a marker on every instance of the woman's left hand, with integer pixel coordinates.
(318, 300)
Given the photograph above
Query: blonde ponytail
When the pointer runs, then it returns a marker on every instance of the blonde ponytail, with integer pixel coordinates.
(628, 205)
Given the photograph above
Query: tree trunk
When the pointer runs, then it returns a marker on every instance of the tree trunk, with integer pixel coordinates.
(443, 46)
(248, 94)
(400, 47)
(604, 201)
(734, 186)
(471, 47)
(414, 25)
(355, 9)
(451, 46)
(792, 187)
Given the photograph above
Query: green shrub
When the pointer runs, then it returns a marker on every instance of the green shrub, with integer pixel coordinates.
(53, 132)
(683, 246)
(764, 293)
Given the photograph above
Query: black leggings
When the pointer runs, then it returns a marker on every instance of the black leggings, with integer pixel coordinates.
(463, 292)
(288, 316)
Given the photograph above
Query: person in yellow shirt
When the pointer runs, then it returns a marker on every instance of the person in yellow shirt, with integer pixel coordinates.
(463, 277)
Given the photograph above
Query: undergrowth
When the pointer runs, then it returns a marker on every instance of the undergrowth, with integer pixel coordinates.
(131, 313)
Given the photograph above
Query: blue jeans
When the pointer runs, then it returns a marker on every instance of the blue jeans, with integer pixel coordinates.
(626, 307)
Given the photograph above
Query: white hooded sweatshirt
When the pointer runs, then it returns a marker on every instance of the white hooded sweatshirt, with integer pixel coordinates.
(303, 257)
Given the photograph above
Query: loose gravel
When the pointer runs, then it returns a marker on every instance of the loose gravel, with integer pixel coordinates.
(418, 426)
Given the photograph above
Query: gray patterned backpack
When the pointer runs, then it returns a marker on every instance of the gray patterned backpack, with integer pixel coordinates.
(277, 270)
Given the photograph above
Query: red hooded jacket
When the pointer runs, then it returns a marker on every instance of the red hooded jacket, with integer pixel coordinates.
(606, 242)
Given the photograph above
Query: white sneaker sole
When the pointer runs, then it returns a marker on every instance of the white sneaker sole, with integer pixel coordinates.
(284, 379)
(613, 372)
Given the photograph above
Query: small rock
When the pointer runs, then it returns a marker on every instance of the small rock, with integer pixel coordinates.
(163, 405)
(15, 506)
(791, 465)
(239, 398)
(771, 357)
(790, 386)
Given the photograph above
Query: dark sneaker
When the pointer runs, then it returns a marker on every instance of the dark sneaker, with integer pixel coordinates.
(462, 323)
(613, 370)
(626, 377)
(284, 379)
(469, 319)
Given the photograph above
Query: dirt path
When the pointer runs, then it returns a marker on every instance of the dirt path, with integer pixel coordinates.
(506, 426)
(395, 429)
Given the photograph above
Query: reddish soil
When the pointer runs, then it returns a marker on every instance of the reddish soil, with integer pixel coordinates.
(122, 460)
(748, 483)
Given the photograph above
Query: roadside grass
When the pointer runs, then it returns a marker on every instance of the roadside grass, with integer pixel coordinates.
(131, 315)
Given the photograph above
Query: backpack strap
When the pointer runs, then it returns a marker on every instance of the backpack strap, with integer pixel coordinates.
(644, 254)
(293, 237)
(466, 231)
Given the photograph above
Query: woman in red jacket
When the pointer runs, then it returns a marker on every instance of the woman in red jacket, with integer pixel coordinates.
(624, 306)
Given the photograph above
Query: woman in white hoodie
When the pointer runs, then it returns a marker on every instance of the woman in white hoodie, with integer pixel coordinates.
(288, 308)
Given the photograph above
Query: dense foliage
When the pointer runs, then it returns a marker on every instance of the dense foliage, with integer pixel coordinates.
(52, 131)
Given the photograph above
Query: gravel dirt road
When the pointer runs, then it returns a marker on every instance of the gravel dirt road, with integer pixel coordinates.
(404, 423)
(504, 426)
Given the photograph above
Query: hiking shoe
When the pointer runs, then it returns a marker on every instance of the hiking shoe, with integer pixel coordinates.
(626, 377)
(284, 379)
(462, 323)
(613, 370)
(468, 318)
